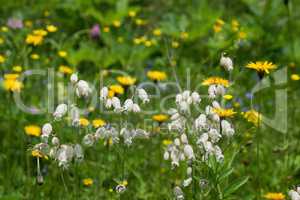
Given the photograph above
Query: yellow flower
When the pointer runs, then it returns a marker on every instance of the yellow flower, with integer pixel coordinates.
(227, 97)
(220, 22)
(117, 89)
(37, 153)
(125, 183)
(175, 44)
(218, 25)
(262, 66)
(35, 56)
(116, 23)
(46, 13)
(156, 75)
(17, 68)
(140, 22)
(295, 77)
(184, 35)
(40, 32)
(98, 123)
(111, 94)
(252, 116)
(223, 112)
(2, 59)
(217, 28)
(11, 83)
(1, 40)
(131, 13)
(242, 35)
(4, 29)
(87, 182)
(137, 41)
(11, 76)
(62, 54)
(33, 130)
(274, 196)
(34, 39)
(214, 80)
(156, 32)
(235, 25)
(84, 122)
(51, 28)
(65, 69)
(106, 29)
(28, 23)
(126, 80)
(148, 43)
(160, 118)
(167, 142)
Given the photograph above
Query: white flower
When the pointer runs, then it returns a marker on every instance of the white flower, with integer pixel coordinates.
(294, 195)
(226, 128)
(215, 104)
(78, 153)
(179, 98)
(55, 141)
(189, 171)
(178, 193)
(226, 62)
(60, 111)
(88, 140)
(47, 129)
(136, 108)
(166, 155)
(184, 139)
(214, 135)
(116, 104)
(187, 182)
(120, 188)
(212, 91)
(108, 103)
(188, 152)
(195, 97)
(200, 122)
(75, 116)
(142, 94)
(177, 142)
(183, 106)
(74, 78)
(83, 89)
(128, 104)
(103, 93)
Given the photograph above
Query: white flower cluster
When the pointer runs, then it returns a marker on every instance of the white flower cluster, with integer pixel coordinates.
(226, 62)
(82, 87)
(128, 106)
(295, 194)
(216, 90)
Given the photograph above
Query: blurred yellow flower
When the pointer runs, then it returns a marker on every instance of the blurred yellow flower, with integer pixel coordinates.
(218, 25)
(120, 39)
(156, 32)
(51, 28)
(17, 68)
(62, 54)
(116, 23)
(33, 130)
(11, 76)
(274, 196)
(223, 112)
(156, 75)
(98, 123)
(184, 35)
(227, 97)
(242, 35)
(214, 80)
(262, 66)
(137, 40)
(167, 142)
(87, 182)
(40, 32)
(11, 83)
(84, 122)
(65, 69)
(160, 118)
(117, 89)
(131, 13)
(235, 25)
(106, 29)
(35, 56)
(175, 44)
(4, 29)
(148, 43)
(34, 39)
(111, 94)
(126, 80)
(36, 153)
(295, 77)
(28, 23)
(140, 22)
(252, 116)
(2, 59)
(124, 182)
(1, 40)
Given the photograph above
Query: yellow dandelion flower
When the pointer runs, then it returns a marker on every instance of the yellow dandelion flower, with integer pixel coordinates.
(84, 122)
(117, 89)
(131, 13)
(4, 29)
(295, 77)
(36, 153)
(156, 75)
(40, 32)
(126, 80)
(223, 112)
(274, 196)
(116, 23)
(51, 28)
(106, 29)
(156, 32)
(17, 68)
(98, 123)
(218, 25)
(227, 97)
(220, 22)
(148, 43)
(33, 130)
(214, 80)
(252, 116)
(175, 44)
(35, 56)
(111, 94)
(65, 69)
(217, 28)
(137, 41)
(235, 25)
(140, 22)
(11, 76)
(262, 66)
(167, 142)
(34, 39)
(184, 35)
(242, 35)
(125, 183)
(2, 59)
(160, 118)
(12, 85)
(87, 182)
(62, 54)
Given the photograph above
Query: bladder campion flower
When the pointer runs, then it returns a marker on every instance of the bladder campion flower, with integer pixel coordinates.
(98, 123)
(33, 130)
(274, 196)
(216, 81)
(156, 75)
(160, 118)
(262, 67)
(116, 89)
(126, 80)
(87, 182)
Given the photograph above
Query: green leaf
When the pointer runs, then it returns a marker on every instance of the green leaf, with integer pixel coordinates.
(235, 186)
